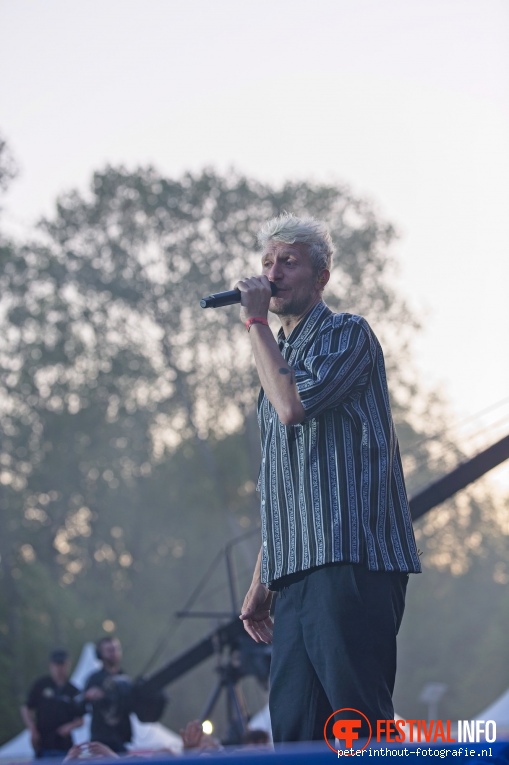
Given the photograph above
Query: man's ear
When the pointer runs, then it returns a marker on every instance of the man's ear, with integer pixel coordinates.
(323, 278)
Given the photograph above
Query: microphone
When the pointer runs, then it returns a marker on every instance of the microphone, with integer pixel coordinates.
(230, 297)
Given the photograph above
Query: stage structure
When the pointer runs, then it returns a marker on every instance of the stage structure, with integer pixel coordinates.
(467, 472)
(238, 657)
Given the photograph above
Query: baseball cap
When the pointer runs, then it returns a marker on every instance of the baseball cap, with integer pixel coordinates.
(59, 656)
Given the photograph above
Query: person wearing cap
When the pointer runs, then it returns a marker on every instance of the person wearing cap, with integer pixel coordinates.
(49, 712)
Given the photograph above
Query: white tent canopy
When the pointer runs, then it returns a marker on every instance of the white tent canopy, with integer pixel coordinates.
(499, 712)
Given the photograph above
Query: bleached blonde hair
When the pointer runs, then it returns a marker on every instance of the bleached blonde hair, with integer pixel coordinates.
(292, 230)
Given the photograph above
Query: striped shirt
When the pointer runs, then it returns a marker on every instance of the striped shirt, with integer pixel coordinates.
(332, 488)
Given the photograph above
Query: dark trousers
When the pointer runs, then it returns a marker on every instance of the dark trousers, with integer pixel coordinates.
(334, 647)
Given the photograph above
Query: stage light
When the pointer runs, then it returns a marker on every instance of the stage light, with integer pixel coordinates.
(207, 727)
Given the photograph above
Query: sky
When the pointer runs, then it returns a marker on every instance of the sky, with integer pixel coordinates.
(405, 101)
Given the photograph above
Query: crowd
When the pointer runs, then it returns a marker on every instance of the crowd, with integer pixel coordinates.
(55, 707)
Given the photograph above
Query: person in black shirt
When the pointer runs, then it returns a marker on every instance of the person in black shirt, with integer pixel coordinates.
(49, 712)
(109, 693)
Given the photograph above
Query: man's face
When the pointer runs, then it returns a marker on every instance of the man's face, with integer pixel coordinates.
(299, 286)
(59, 671)
(111, 652)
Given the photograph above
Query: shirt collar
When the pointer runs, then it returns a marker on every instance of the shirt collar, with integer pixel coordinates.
(305, 327)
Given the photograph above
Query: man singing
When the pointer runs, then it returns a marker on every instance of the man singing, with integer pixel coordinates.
(337, 537)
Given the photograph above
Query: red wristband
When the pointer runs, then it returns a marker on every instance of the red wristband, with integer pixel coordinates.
(256, 320)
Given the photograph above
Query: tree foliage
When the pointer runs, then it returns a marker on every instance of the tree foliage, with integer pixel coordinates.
(110, 364)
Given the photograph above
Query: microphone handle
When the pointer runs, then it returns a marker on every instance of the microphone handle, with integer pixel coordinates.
(221, 299)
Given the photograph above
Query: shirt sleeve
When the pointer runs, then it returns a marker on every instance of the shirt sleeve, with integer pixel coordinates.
(339, 364)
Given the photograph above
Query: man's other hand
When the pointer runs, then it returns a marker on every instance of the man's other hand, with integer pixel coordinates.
(256, 613)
